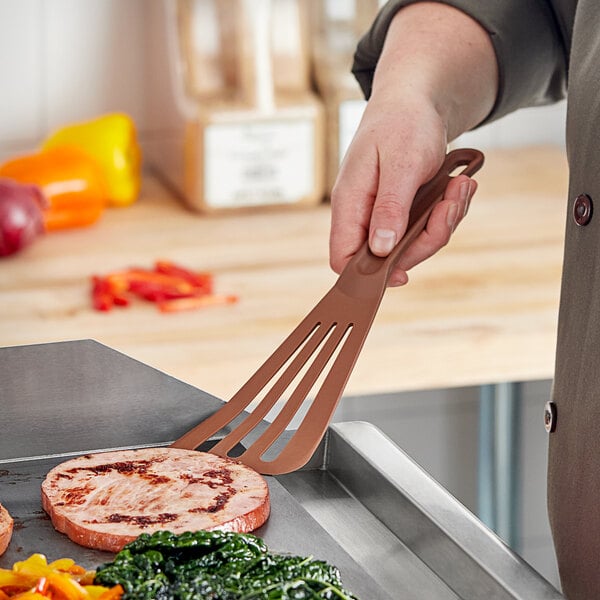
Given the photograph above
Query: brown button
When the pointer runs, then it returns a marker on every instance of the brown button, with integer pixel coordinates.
(582, 209)
(550, 416)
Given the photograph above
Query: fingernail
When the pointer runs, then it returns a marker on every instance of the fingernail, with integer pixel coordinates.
(383, 241)
(452, 216)
(465, 194)
(464, 190)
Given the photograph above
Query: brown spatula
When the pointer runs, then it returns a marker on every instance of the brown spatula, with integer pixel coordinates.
(323, 347)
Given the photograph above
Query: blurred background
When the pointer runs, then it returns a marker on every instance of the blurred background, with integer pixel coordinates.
(68, 60)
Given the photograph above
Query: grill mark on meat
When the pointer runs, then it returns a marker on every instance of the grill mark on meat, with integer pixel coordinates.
(219, 503)
(223, 476)
(213, 478)
(127, 467)
(77, 495)
(141, 521)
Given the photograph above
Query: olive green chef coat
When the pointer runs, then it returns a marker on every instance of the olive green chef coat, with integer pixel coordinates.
(541, 46)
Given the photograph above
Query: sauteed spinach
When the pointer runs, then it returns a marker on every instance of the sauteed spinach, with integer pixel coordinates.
(216, 565)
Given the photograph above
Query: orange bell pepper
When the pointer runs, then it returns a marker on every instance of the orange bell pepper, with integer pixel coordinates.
(70, 181)
(111, 140)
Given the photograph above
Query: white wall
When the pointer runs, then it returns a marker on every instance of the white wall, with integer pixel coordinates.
(538, 125)
(67, 60)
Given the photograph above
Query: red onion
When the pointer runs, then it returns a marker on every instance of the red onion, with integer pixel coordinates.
(21, 215)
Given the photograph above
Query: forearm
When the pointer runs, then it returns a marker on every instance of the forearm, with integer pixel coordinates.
(437, 54)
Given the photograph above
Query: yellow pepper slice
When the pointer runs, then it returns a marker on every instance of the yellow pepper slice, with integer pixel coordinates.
(96, 591)
(68, 588)
(13, 579)
(62, 579)
(112, 141)
(62, 564)
(36, 566)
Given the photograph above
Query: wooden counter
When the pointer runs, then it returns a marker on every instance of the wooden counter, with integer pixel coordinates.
(483, 310)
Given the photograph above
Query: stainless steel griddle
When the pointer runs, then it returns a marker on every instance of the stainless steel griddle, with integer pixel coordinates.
(360, 503)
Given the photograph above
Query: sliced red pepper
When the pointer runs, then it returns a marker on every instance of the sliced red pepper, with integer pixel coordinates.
(141, 276)
(194, 302)
(106, 294)
(102, 297)
(200, 280)
(153, 291)
(121, 301)
(172, 287)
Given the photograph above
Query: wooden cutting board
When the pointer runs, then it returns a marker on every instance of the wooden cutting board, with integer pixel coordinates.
(483, 310)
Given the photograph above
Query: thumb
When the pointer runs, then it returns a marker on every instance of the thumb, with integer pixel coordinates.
(391, 208)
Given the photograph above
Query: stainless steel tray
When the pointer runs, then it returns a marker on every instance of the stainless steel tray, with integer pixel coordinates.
(361, 503)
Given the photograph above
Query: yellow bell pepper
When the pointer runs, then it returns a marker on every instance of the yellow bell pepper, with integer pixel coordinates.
(112, 141)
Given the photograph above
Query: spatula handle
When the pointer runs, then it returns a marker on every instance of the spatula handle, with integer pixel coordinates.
(432, 192)
(428, 195)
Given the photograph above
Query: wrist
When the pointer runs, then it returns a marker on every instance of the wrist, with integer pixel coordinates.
(437, 55)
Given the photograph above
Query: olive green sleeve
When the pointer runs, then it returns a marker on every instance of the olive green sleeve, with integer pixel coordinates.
(531, 39)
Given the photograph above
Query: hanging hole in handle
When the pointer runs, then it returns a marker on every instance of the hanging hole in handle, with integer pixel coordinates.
(457, 170)
(464, 160)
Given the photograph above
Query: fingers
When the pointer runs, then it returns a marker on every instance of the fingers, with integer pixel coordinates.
(397, 186)
(350, 226)
(388, 160)
(374, 190)
(442, 223)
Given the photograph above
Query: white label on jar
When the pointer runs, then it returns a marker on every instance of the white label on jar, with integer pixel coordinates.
(257, 163)
(349, 115)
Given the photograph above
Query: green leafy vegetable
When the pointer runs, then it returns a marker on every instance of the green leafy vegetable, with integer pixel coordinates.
(217, 565)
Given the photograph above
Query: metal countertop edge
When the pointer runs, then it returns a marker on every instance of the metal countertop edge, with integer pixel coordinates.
(75, 453)
(448, 515)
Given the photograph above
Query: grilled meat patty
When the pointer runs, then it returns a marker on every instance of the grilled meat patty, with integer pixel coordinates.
(106, 500)
(6, 528)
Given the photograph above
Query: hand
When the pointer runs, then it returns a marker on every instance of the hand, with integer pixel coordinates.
(379, 178)
(436, 78)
